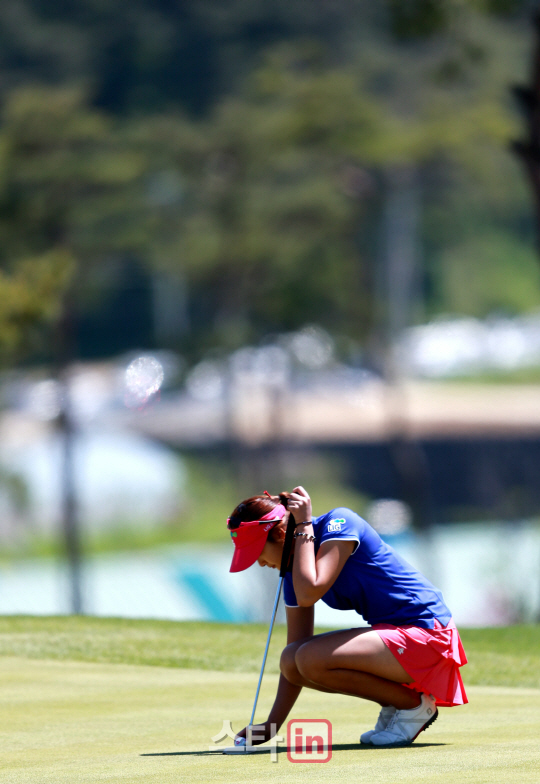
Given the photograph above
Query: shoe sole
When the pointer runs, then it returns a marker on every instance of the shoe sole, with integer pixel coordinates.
(426, 725)
(407, 742)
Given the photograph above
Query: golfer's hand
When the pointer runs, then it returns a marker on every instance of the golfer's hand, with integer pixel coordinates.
(299, 505)
(260, 733)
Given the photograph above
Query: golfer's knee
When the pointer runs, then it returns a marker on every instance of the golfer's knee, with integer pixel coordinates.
(287, 663)
(307, 663)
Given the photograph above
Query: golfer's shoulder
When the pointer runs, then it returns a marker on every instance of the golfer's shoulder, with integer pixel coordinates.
(342, 520)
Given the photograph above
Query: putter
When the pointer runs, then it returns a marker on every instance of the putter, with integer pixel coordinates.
(240, 745)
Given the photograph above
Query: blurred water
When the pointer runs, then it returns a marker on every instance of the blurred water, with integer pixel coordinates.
(489, 575)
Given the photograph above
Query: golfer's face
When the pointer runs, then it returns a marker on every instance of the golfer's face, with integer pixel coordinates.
(271, 555)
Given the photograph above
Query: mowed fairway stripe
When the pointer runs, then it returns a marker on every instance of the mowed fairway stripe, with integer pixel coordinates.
(64, 721)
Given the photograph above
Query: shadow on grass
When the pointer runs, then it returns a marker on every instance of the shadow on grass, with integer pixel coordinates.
(284, 749)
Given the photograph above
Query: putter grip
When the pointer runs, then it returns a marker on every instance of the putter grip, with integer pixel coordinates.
(287, 546)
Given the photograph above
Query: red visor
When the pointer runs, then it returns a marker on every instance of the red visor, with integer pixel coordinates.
(249, 538)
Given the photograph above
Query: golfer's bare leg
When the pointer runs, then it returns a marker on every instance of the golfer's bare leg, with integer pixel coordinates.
(289, 669)
(354, 662)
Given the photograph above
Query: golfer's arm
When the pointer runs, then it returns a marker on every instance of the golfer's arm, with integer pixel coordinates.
(314, 576)
(299, 626)
(300, 623)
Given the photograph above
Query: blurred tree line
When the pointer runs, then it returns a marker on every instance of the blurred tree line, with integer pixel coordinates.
(190, 173)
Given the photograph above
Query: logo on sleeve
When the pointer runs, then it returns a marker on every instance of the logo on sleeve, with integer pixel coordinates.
(335, 525)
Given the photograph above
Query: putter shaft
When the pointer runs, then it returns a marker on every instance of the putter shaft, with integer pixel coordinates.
(287, 547)
(276, 602)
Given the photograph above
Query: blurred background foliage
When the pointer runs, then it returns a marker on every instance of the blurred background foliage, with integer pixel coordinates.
(242, 154)
(219, 182)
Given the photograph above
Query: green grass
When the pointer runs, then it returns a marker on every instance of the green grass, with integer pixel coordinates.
(527, 375)
(497, 657)
(209, 646)
(83, 723)
(80, 705)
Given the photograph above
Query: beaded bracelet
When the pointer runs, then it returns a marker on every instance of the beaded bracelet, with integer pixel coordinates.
(308, 537)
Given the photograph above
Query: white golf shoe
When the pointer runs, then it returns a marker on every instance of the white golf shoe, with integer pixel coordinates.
(382, 722)
(405, 725)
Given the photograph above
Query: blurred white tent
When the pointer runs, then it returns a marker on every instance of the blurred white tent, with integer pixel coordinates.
(457, 346)
(122, 478)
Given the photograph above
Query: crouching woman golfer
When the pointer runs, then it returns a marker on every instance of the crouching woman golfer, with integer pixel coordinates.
(407, 661)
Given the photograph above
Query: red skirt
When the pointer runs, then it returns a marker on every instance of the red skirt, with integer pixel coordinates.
(432, 657)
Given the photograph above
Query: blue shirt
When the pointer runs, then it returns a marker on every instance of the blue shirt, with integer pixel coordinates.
(375, 581)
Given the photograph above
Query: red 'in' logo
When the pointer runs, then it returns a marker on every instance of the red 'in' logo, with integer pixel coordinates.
(309, 740)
